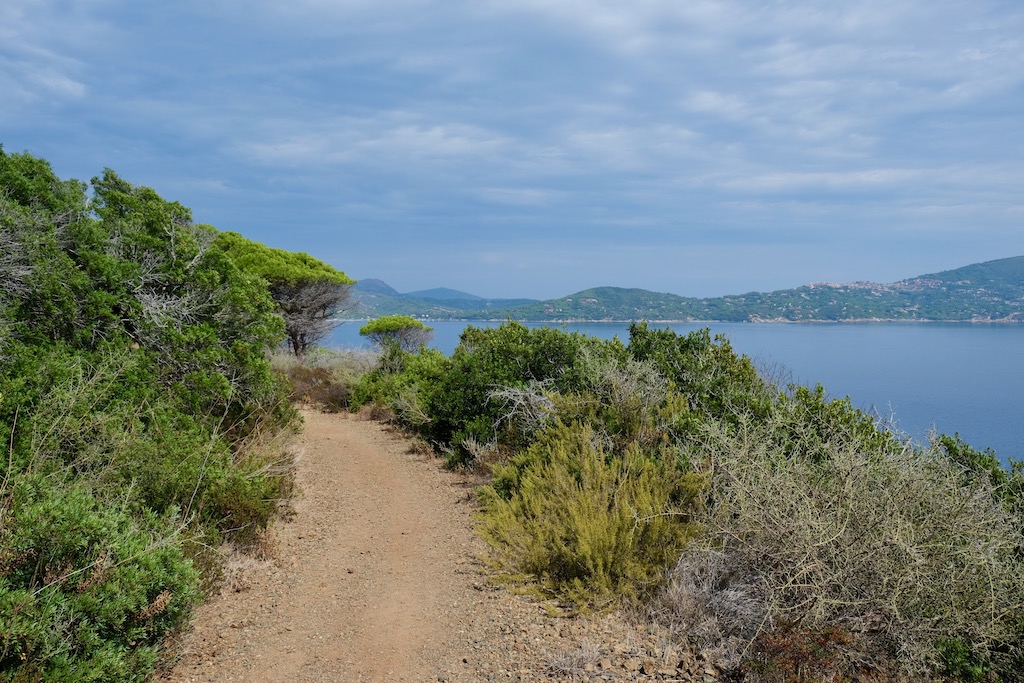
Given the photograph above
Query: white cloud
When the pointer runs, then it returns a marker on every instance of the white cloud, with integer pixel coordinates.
(825, 180)
(384, 141)
(519, 196)
(687, 121)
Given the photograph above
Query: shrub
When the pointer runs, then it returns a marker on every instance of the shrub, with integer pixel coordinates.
(88, 590)
(136, 406)
(488, 360)
(324, 378)
(717, 383)
(891, 543)
(590, 527)
(401, 382)
(791, 653)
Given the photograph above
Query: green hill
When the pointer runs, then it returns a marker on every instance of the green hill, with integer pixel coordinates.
(374, 298)
(983, 292)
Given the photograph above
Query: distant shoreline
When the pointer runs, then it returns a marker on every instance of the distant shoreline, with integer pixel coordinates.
(776, 321)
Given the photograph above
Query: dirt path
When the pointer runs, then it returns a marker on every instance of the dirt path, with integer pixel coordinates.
(375, 580)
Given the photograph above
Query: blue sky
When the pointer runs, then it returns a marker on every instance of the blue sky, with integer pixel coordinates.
(539, 147)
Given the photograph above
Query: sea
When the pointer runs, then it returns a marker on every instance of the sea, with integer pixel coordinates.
(925, 378)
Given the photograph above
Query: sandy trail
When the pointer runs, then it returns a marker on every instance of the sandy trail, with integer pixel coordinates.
(374, 579)
(367, 578)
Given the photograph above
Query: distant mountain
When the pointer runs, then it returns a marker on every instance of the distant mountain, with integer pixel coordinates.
(374, 298)
(444, 294)
(376, 287)
(983, 292)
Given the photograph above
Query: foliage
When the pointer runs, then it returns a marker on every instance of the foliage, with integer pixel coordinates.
(138, 411)
(89, 590)
(309, 293)
(407, 332)
(717, 383)
(278, 265)
(486, 360)
(887, 541)
(403, 382)
(324, 378)
(592, 527)
(807, 540)
(1008, 483)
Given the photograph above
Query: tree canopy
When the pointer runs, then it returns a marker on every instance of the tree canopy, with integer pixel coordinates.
(309, 293)
(405, 331)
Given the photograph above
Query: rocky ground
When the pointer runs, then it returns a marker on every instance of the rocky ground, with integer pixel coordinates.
(376, 577)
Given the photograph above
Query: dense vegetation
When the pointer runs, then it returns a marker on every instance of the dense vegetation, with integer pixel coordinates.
(309, 293)
(138, 412)
(992, 291)
(790, 534)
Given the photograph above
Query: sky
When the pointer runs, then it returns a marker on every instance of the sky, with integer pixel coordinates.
(534, 148)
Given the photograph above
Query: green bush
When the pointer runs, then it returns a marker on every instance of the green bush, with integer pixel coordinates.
(462, 408)
(88, 590)
(717, 383)
(136, 404)
(589, 527)
(402, 382)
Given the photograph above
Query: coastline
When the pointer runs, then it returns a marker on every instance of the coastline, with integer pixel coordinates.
(693, 321)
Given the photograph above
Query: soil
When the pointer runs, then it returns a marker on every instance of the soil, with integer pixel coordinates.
(377, 577)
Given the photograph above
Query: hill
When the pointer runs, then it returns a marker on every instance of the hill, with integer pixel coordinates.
(374, 298)
(444, 294)
(983, 292)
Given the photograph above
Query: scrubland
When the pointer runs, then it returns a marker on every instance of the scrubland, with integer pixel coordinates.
(789, 534)
(143, 412)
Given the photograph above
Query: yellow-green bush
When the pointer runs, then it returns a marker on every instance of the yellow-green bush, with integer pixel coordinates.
(590, 527)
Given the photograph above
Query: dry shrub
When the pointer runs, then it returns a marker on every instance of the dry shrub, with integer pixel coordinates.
(791, 653)
(376, 412)
(418, 446)
(573, 662)
(525, 410)
(324, 378)
(327, 393)
(896, 547)
(409, 408)
(239, 568)
(715, 600)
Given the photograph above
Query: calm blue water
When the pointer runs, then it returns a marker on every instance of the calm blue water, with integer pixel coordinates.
(949, 377)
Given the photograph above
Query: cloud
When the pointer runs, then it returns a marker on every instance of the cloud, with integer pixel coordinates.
(519, 196)
(657, 124)
(830, 180)
(380, 141)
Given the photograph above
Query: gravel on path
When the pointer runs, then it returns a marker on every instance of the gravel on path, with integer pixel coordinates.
(376, 578)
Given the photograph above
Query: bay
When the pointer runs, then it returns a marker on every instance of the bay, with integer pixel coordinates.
(961, 378)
